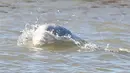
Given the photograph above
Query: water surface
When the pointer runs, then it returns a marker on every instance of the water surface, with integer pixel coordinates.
(103, 23)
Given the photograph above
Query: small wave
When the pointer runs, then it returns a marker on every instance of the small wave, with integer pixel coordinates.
(116, 50)
(124, 50)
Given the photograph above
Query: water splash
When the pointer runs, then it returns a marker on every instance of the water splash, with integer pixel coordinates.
(25, 39)
(89, 47)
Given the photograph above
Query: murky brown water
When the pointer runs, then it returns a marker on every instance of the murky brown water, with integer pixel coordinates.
(103, 23)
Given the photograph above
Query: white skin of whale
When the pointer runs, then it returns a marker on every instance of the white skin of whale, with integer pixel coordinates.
(46, 34)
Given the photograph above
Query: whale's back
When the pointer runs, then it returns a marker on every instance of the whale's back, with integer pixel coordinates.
(58, 30)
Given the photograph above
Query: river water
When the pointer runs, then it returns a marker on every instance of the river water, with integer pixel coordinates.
(104, 24)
